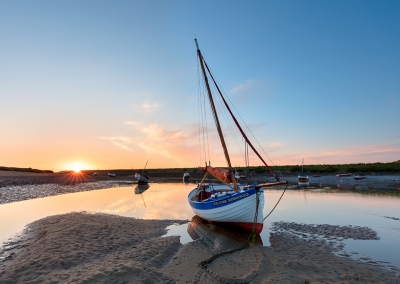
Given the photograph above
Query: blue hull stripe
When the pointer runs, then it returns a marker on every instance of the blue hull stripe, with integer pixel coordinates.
(221, 202)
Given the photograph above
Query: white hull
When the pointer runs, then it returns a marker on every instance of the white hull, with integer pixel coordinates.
(302, 177)
(141, 178)
(240, 212)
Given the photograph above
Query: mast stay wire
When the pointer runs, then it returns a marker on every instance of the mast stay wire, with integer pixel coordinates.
(229, 124)
(231, 103)
(227, 119)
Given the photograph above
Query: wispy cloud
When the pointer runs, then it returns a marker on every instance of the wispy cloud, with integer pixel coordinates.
(276, 144)
(244, 87)
(176, 145)
(251, 87)
(352, 154)
(120, 142)
(149, 107)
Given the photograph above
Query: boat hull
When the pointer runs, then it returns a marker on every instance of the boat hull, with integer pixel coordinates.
(238, 209)
(302, 177)
(359, 176)
(344, 175)
(142, 179)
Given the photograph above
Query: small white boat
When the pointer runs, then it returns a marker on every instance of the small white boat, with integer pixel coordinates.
(141, 178)
(237, 176)
(302, 177)
(344, 175)
(219, 203)
(186, 177)
(360, 176)
(113, 175)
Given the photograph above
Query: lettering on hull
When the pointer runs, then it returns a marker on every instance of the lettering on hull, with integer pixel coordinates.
(231, 199)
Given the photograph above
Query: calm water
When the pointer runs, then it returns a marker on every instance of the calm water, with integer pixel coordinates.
(168, 201)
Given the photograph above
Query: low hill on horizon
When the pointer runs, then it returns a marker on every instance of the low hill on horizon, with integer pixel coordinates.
(378, 168)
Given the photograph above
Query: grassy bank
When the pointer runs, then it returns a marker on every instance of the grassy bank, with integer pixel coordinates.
(30, 170)
(368, 168)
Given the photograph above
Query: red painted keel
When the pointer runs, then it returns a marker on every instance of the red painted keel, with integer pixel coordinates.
(249, 226)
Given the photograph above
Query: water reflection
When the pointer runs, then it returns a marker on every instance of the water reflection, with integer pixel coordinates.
(208, 231)
(303, 184)
(140, 188)
(361, 187)
(378, 210)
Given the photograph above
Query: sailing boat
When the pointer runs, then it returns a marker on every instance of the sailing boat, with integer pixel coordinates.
(228, 202)
(302, 177)
(141, 178)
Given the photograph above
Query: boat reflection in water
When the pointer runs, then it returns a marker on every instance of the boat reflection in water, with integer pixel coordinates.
(140, 188)
(361, 187)
(208, 231)
(303, 184)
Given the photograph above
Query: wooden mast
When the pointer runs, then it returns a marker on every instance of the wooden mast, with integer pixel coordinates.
(221, 137)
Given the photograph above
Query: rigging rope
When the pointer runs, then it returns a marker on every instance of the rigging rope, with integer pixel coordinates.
(252, 236)
(236, 122)
(276, 203)
(250, 239)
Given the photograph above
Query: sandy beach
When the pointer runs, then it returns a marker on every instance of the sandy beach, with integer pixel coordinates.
(99, 248)
(82, 247)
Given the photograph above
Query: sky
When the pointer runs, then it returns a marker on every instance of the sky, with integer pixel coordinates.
(115, 84)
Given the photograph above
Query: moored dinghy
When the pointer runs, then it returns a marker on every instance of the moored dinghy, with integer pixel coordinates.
(302, 177)
(229, 202)
(360, 176)
(142, 178)
(186, 177)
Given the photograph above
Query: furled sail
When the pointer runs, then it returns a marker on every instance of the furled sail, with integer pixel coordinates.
(222, 174)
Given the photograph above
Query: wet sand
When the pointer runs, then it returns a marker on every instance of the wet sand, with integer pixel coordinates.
(100, 248)
(18, 186)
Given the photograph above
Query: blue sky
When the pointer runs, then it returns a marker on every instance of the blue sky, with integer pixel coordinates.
(113, 84)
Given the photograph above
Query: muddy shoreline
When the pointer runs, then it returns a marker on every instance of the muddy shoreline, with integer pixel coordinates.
(18, 186)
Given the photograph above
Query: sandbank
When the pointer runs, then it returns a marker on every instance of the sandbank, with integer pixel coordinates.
(100, 248)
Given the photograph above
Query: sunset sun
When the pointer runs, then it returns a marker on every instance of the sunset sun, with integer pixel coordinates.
(77, 168)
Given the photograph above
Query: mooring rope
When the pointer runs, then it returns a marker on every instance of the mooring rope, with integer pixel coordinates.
(250, 239)
(276, 203)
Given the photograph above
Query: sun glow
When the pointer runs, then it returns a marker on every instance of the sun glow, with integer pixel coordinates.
(77, 168)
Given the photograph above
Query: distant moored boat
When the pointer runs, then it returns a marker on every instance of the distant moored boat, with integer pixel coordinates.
(360, 176)
(186, 177)
(344, 175)
(302, 177)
